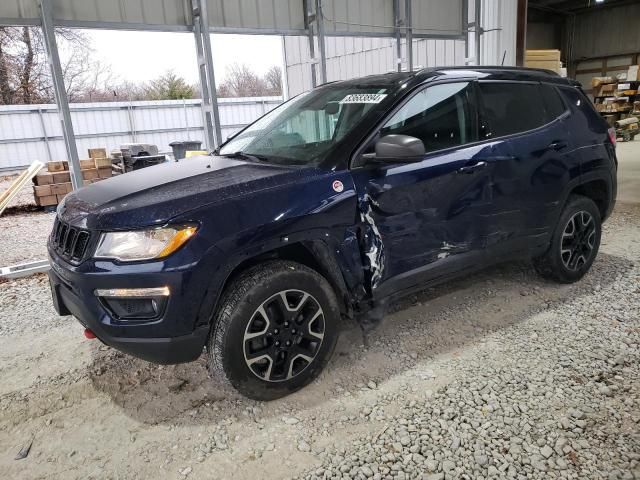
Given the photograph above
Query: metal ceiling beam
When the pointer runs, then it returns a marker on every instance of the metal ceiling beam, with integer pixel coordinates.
(46, 12)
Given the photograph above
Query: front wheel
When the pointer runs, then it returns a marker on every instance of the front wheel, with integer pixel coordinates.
(575, 242)
(275, 330)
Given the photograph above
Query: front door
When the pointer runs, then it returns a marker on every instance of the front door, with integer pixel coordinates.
(426, 219)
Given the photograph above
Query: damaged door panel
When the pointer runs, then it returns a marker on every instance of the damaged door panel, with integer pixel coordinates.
(417, 217)
(419, 214)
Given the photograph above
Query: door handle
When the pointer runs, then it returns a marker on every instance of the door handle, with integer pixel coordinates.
(558, 145)
(472, 168)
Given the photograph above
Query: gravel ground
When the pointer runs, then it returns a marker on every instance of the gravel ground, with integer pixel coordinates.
(24, 196)
(499, 375)
(23, 237)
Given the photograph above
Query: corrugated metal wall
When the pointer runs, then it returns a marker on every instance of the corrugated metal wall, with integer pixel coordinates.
(499, 21)
(33, 132)
(350, 57)
(603, 33)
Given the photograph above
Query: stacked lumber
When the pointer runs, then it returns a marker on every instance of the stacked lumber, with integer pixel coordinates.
(546, 59)
(18, 183)
(50, 187)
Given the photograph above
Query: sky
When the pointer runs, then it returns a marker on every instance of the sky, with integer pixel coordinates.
(142, 56)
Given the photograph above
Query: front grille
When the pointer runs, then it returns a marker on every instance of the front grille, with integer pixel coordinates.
(70, 242)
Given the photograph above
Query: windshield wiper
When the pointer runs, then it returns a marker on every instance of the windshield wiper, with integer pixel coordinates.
(247, 156)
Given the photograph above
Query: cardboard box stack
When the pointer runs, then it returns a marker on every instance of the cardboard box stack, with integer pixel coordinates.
(50, 187)
(547, 59)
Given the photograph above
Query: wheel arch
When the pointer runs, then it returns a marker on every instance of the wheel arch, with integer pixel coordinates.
(598, 190)
(314, 254)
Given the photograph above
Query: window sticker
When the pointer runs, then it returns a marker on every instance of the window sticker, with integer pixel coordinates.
(364, 98)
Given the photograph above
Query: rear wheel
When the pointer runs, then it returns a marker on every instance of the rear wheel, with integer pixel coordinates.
(275, 330)
(575, 242)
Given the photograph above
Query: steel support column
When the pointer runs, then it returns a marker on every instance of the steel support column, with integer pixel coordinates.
(478, 29)
(408, 25)
(46, 14)
(521, 33)
(321, 42)
(210, 112)
(309, 17)
(396, 22)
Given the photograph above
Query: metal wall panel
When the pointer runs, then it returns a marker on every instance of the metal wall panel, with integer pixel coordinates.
(433, 17)
(499, 21)
(350, 57)
(609, 32)
(23, 128)
(260, 14)
(371, 17)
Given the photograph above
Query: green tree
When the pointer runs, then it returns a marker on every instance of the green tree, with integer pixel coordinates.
(169, 86)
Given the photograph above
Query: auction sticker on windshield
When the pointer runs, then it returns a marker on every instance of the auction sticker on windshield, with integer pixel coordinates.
(364, 98)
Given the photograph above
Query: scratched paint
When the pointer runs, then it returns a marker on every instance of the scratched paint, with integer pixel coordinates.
(373, 246)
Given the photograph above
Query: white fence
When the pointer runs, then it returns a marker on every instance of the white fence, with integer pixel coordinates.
(33, 132)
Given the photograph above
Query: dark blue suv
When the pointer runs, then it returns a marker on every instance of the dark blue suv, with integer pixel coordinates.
(327, 208)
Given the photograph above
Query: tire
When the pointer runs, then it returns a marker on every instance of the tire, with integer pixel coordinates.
(574, 244)
(248, 344)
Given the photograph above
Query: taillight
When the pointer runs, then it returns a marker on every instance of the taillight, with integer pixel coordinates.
(612, 136)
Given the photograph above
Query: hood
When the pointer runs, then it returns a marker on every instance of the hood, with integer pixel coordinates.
(154, 195)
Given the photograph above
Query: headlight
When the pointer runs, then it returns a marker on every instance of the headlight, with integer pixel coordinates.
(143, 244)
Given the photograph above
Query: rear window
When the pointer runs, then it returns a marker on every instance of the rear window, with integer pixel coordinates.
(511, 107)
(552, 102)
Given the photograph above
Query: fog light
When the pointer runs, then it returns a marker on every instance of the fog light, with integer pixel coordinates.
(134, 303)
(132, 292)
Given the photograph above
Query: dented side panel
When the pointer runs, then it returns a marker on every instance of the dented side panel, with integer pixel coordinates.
(416, 216)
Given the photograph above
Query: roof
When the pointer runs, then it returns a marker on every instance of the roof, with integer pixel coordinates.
(486, 72)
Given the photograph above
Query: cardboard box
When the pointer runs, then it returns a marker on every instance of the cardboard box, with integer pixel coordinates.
(87, 164)
(43, 179)
(606, 90)
(597, 81)
(90, 174)
(46, 201)
(57, 166)
(103, 162)
(60, 197)
(104, 172)
(42, 190)
(97, 153)
(61, 177)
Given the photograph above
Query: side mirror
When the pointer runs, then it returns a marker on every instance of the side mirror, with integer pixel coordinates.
(399, 148)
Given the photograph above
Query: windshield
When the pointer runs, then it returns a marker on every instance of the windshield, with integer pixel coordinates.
(304, 130)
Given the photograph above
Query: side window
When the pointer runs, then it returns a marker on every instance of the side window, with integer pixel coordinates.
(552, 102)
(511, 107)
(441, 116)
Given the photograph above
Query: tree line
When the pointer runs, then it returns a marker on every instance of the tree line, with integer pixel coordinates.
(25, 77)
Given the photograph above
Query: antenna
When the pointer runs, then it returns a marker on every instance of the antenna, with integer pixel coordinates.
(504, 55)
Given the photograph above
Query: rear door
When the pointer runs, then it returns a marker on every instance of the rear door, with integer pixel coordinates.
(530, 120)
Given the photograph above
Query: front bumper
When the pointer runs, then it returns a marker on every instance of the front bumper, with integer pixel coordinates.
(174, 337)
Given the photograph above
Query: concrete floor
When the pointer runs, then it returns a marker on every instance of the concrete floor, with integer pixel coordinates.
(629, 171)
